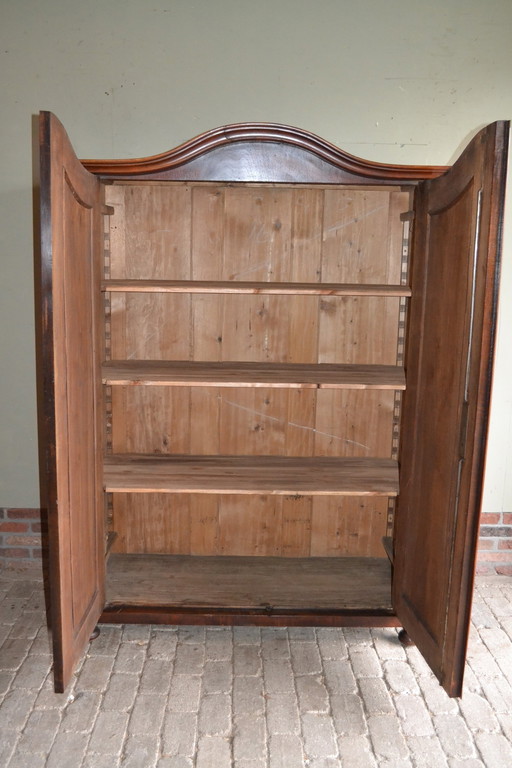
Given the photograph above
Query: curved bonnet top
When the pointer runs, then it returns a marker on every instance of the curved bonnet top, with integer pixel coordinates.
(260, 152)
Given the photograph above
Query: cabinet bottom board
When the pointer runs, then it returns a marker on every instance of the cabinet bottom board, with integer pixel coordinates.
(184, 589)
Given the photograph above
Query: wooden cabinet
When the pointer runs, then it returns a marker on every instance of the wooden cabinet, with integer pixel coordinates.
(265, 376)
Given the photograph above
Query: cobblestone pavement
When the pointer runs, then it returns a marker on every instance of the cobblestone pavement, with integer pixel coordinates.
(195, 697)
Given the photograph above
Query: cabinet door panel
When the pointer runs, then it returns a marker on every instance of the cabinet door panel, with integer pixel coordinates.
(71, 243)
(445, 413)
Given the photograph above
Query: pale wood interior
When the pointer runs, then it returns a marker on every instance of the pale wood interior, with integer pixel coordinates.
(259, 321)
(250, 583)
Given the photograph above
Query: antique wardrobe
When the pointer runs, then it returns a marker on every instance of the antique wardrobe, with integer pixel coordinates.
(265, 370)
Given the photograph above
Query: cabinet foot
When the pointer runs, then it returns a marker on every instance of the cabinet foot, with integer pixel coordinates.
(95, 633)
(405, 639)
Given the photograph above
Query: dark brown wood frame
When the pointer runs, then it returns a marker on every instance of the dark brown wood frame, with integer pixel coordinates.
(275, 154)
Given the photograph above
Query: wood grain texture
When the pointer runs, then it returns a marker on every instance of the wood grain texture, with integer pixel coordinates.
(71, 415)
(227, 279)
(456, 246)
(261, 152)
(269, 584)
(251, 474)
(290, 375)
(247, 287)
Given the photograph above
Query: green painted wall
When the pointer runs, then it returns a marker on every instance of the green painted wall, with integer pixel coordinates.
(393, 80)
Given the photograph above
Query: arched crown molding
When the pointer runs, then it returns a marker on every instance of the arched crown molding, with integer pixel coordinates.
(244, 144)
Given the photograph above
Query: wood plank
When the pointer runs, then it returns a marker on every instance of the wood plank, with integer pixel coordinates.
(268, 583)
(244, 287)
(244, 374)
(251, 474)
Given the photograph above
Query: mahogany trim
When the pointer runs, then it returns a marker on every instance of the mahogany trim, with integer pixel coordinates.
(256, 133)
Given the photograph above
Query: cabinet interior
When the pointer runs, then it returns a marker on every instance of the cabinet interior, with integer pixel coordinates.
(253, 377)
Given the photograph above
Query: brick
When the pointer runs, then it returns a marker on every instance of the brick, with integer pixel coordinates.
(121, 691)
(332, 643)
(435, 697)
(21, 514)
(219, 644)
(319, 736)
(190, 658)
(494, 748)
(66, 744)
(356, 752)
(32, 672)
(495, 557)
(27, 625)
(339, 677)
(80, 714)
(162, 644)
(13, 527)
(39, 732)
(376, 696)
(386, 737)
(156, 676)
(17, 553)
(246, 636)
(22, 541)
(217, 676)
(107, 642)
(426, 752)
(504, 570)
(14, 652)
(387, 645)
(137, 633)
(7, 743)
(108, 733)
(147, 714)
(414, 715)
(16, 709)
(130, 658)
(283, 714)
(95, 673)
(215, 714)
(174, 762)
(312, 693)
(184, 693)
(213, 751)
(27, 760)
(357, 636)
(191, 634)
(274, 643)
(348, 715)
(247, 660)
(278, 676)
(302, 634)
(95, 760)
(365, 662)
(507, 518)
(249, 737)
(477, 713)
(505, 544)
(248, 695)
(454, 736)
(305, 658)
(495, 530)
(140, 752)
(490, 518)
(179, 734)
(486, 544)
(285, 750)
(400, 677)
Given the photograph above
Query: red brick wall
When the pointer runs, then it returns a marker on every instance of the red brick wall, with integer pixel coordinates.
(21, 536)
(22, 539)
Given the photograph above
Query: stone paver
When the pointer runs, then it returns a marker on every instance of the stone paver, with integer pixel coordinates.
(245, 697)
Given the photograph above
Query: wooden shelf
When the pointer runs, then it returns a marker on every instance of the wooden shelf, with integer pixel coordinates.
(232, 286)
(229, 374)
(252, 584)
(289, 476)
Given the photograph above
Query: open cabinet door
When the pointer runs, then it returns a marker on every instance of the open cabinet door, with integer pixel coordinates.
(448, 368)
(70, 258)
